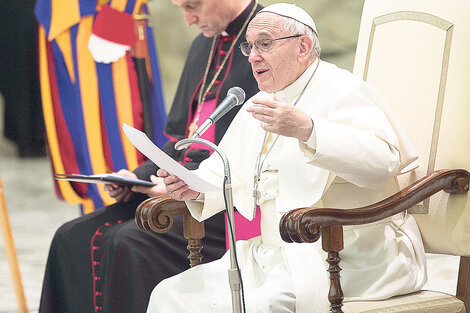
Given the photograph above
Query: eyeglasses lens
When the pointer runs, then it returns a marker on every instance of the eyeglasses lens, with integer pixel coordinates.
(262, 44)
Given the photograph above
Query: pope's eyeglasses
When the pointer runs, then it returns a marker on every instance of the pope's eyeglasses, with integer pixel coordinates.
(261, 44)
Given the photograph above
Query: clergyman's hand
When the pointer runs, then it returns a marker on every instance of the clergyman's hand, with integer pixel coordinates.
(176, 188)
(155, 191)
(118, 192)
(278, 117)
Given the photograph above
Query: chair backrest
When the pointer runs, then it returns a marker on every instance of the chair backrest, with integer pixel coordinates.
(417, 54)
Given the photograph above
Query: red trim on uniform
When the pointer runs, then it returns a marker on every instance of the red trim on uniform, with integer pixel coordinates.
(186, 158)
(229, 65)
(219, 49)
(227, 39)
(190, 111)
(93, 265)
(93, 247)
(172, 139)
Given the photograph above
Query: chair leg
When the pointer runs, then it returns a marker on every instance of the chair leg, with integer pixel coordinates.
(193, 232)
(332, 242)
(194, 248)
(336, 293)
(463, 283)
(11, 254)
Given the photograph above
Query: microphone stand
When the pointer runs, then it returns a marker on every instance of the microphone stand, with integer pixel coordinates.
(234, 271)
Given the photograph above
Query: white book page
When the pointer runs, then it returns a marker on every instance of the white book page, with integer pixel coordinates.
(160, 158)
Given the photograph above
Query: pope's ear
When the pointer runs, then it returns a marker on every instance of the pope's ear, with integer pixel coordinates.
(305, 48)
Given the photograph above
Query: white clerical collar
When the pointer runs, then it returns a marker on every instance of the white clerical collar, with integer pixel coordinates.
(294, 89)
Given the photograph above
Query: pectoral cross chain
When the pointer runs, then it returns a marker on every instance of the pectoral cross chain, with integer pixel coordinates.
(256, 193)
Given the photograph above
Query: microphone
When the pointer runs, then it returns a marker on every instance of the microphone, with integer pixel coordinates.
(235, 96)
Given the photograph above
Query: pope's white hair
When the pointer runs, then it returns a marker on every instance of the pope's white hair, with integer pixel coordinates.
(294, 27)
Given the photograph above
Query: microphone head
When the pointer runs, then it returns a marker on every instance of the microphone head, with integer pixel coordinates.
(238, 93)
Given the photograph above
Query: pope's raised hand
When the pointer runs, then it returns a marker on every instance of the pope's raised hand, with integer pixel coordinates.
(276, 116)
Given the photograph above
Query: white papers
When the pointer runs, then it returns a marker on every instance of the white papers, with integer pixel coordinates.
(160, 158)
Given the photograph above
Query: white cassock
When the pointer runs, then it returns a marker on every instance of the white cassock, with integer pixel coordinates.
(351, 160)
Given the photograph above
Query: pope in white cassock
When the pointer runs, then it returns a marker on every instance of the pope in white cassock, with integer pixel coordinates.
(314, 136)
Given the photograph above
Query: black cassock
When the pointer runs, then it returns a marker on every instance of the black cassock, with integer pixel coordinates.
(101, 262)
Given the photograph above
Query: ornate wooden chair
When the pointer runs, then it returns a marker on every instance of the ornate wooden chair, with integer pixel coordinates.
(416, 54)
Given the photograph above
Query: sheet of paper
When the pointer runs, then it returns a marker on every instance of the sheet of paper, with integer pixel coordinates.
(157, 156)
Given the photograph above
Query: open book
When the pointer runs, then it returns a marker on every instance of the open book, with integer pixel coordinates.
(104, 179)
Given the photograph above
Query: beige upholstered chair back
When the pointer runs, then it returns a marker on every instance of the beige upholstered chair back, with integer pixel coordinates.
(417, 54)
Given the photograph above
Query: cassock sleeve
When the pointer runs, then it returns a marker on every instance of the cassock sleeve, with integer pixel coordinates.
(356, 141)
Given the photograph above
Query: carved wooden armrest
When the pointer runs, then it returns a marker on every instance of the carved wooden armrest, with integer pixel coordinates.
(156, 214)
(304, 225)
(308, 224)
